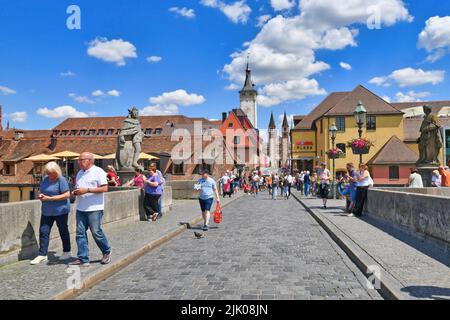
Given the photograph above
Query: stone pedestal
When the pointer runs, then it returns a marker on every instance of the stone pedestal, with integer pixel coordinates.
(426, 173)
(125, 176)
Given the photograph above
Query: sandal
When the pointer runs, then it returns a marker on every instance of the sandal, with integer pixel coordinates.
(154, 217)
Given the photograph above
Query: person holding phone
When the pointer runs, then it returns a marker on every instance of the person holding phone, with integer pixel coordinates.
(91, 184)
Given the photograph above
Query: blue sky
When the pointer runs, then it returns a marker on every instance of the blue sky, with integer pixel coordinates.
(48, 72)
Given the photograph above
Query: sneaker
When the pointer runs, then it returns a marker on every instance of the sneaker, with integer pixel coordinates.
(324, 206)
(350, 215)
(106, 258)
(65, 256)
(154, 217)
(38, 260)
(205, 228)
(79, 263)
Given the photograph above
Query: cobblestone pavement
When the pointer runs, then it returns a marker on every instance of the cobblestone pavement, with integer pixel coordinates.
(23, 281)
(263, 249)
(422, 267)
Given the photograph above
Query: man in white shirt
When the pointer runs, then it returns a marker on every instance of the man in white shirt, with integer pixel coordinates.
(91, 184)
(415, 179)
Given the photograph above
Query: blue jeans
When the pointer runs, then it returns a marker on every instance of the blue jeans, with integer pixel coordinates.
(274, 191)
(160, 214)
(93, 221)
(306, 189)
(45, 229)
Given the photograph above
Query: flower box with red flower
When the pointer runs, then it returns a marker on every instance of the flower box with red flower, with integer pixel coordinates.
(360, 146)
(335, 153)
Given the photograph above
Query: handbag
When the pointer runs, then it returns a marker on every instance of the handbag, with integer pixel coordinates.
(218, 214)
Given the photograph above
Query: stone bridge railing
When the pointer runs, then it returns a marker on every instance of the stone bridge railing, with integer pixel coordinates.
(423, 212)
(19, 221)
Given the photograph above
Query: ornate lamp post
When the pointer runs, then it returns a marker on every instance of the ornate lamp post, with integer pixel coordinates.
(360, 116)
(333, 132)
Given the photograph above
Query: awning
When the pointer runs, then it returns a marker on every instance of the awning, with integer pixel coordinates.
(42, 158)
(96, 157)
(142, 156)
(66, 154)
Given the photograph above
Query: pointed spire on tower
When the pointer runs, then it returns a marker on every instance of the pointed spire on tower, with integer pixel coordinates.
(285, 121)
(248, 84)
(272, 122)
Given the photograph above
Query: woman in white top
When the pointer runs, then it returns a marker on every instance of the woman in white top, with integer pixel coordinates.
(436, 179)
(363, 182)
(415, 180)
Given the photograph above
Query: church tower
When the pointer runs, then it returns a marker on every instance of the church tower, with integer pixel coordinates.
(248, 97)
(272, 143)
(285, 145)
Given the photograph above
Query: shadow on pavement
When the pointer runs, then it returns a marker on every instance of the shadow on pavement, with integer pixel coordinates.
(428, 292)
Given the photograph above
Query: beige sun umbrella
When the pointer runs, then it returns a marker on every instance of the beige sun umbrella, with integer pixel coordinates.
(66, 154)
(146, 156)
(96, 157)
(444, 112)
(142, 156)
(42, 158)
(109, 156)
(413, 112)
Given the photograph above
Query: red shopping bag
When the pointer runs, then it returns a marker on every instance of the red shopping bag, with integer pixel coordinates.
(218, 214)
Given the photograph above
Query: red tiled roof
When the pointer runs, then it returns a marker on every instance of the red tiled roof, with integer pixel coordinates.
(394, 151)
(373, 103)
(328, 103)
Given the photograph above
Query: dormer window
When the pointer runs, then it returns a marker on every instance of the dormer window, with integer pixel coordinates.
(83, 132)
(158, 130)
(64, 133)
(110, 132)
(101, 132)
(91, 132)
(73, 132)
(148, 131)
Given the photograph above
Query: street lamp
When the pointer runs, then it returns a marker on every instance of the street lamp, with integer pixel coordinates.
(333, 132)
(360, 116)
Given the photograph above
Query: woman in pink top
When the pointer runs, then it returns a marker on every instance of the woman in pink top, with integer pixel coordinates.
(137, 181)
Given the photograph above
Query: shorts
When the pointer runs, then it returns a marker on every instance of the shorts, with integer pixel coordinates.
(205, 205)
(324, 190)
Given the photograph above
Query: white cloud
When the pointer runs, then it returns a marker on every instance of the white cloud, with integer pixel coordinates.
(98, 93)
(232, 87)
(159, 110)
(263, 19)
(68, 74)
(18, 116)
(178, 97)
(114, 93)
(61, 113)
(411, 96)
(275, 93)
(409, 77)
(387, 99)
(345, 66)
(84, 99)
(114, 51)
(435, 37)
(184, 12)
(279, 5)
(283, 54)
(238, 12)
(154, 59)
(6, 91)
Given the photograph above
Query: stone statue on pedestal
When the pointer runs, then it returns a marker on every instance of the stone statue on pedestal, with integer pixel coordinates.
(430, 141)
(129, 143)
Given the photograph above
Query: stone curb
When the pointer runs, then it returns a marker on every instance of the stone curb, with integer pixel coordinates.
(390, 288)
(112, 268)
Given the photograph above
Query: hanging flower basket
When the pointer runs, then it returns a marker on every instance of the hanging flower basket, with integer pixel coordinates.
(360, 146)
(335, 153)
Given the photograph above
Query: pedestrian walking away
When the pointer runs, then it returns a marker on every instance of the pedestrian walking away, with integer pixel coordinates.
(153, 193)
(54, 195)
(91, 185)
(207, 188)
(324, 187)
